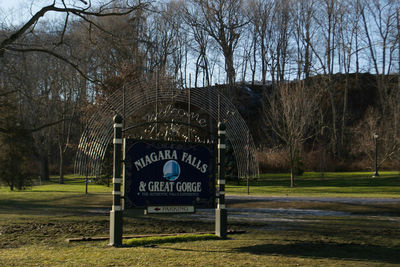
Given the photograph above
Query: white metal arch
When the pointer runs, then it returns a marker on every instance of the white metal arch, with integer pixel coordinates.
(140, 93)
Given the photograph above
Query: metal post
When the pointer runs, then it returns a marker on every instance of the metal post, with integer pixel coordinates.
(248, 162)
(221, 212)
(86, 185)
(116, 212)
(376, 174)
(189, 111)
(123, 105)
(157, 85)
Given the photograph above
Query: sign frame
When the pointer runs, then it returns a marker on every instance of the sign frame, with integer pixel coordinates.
(134, 198)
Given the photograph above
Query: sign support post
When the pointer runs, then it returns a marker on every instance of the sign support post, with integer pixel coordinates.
(116, 212)
(221, 212)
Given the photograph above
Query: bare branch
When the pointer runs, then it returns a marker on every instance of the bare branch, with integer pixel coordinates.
(64, 30)
(11, 130)
(4, 45)
(45, 126)
(15, 36)
(52, 53)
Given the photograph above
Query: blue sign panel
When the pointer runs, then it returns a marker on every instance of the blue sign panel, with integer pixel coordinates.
(168, 173)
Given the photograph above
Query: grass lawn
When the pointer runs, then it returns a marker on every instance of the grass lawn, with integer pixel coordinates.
(330, 242)
(35, 223)
(346, 184)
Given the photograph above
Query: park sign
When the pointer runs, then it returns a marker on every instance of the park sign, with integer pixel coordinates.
(162, 174)
(166, 177)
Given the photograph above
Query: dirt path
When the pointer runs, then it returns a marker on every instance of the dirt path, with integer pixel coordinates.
(297, 209)
(348, 200)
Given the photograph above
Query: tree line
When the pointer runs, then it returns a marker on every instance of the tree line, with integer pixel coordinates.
(54, 70)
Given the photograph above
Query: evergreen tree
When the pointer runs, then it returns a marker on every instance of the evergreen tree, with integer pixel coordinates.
(16, 148)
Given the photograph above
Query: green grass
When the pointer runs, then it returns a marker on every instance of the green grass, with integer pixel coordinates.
(334, 242)
(51, 197)
(35, 223)
(346, 184)
(72, 183)
(333, 184)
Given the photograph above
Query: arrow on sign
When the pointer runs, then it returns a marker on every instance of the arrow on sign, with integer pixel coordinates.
(170, 209)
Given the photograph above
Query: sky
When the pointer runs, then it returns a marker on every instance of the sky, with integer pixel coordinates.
(14, 12)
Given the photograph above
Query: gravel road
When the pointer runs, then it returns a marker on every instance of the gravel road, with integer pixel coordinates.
(354, 200)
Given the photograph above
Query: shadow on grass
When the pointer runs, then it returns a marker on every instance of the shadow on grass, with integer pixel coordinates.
(56, 204)
(327, 250)
(150, 241)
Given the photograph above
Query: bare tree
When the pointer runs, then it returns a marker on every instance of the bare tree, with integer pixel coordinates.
(224, 21)
(387, 137)
(261, 12)
(323, 48)
(166, 24)
(379, 23)
(289, 112)
(66, 109)
(283, 30)
(18, 41)
(304, 14)
(348, 18)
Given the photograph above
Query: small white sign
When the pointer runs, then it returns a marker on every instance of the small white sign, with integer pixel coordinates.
(170, 209)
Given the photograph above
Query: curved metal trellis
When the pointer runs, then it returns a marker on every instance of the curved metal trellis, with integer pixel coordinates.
(139, 94)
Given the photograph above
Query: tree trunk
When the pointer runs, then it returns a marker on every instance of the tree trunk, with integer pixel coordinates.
(253, 76)
(61, 167)
(291, 162)
(344, 113)
(292, 176)
(206, 69)
(44, 167)
(331, 91)
(230, 69)
(263, 62)
(11, 185)
(307, 61)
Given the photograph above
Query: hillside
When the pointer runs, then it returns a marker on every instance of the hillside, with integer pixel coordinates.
(357, 108)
